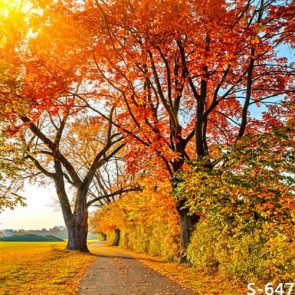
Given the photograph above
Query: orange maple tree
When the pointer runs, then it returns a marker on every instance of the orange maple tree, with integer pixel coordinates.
(186, 80)
(192, 78)
(49, 123)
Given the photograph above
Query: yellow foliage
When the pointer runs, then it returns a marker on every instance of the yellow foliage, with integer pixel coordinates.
(148, 220)
(265, 254)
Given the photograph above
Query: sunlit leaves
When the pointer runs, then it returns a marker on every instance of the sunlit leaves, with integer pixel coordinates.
(148, 220)
(253, 183)
(11, 182)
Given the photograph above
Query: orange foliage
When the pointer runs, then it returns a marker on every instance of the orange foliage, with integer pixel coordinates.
(145, 219)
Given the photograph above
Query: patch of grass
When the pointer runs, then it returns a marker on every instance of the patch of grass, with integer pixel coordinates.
(40, 268)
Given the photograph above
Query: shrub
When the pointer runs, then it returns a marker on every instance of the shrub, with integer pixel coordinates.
(203, 250)
(264, 254)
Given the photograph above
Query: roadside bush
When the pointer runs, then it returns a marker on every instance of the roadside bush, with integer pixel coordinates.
(206, 246)
(264, 254)
(148, 222)
(157, 239)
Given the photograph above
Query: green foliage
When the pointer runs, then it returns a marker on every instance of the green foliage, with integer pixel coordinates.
(10, 201)
(204, 249)
(263, 256)
(247, 198)
(11, 165)
(31, 238)
(253, 181)
(266, 254)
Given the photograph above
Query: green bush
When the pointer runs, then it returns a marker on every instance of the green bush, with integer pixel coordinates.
(265, 254)
(204, 249)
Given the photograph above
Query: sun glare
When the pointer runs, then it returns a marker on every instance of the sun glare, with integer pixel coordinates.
(13, 5)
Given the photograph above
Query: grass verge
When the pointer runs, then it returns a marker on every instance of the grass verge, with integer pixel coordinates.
(40, 268)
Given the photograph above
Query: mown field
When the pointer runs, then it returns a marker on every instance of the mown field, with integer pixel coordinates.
(40, 268)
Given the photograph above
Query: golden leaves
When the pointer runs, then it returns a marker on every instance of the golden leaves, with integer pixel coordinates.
(25, 265)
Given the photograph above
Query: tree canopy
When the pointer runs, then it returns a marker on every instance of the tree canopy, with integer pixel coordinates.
(197, 92)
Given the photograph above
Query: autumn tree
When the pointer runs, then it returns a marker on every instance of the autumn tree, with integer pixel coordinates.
(193, 78)
(11, 178)
(51, 126)
(188, 79)
(13, 28)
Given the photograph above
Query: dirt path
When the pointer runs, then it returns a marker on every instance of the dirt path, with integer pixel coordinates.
(113, 273)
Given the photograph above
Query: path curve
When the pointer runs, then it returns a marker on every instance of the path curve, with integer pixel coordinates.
(113, 273)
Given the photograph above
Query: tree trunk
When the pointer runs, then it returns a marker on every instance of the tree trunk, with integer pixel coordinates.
(187, 222)
(116, 241)
(77, 237)
(187, 225)
(77, 225)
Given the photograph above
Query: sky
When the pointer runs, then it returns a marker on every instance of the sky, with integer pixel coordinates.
(41, 211)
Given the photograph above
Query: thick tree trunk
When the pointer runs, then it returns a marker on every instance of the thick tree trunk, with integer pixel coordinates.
(77, 224)
(187, 225)
(77, 237)
(116, 241)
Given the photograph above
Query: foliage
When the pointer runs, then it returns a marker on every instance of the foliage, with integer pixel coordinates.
(263, 255)
(204, 248)
(253, 183)
(31, 238)
(11, 176)
(26, 265)
(186, 71)
(192, 79)
(143, 228)
(247, 206)
(12, 200)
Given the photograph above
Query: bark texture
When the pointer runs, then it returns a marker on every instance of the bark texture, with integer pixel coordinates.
(116, 241)
(77, 237)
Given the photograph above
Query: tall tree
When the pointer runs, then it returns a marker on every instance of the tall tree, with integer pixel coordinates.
(193, 77)
(13, 28)
(49, 124)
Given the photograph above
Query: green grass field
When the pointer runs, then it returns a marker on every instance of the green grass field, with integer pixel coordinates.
(40, 268)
